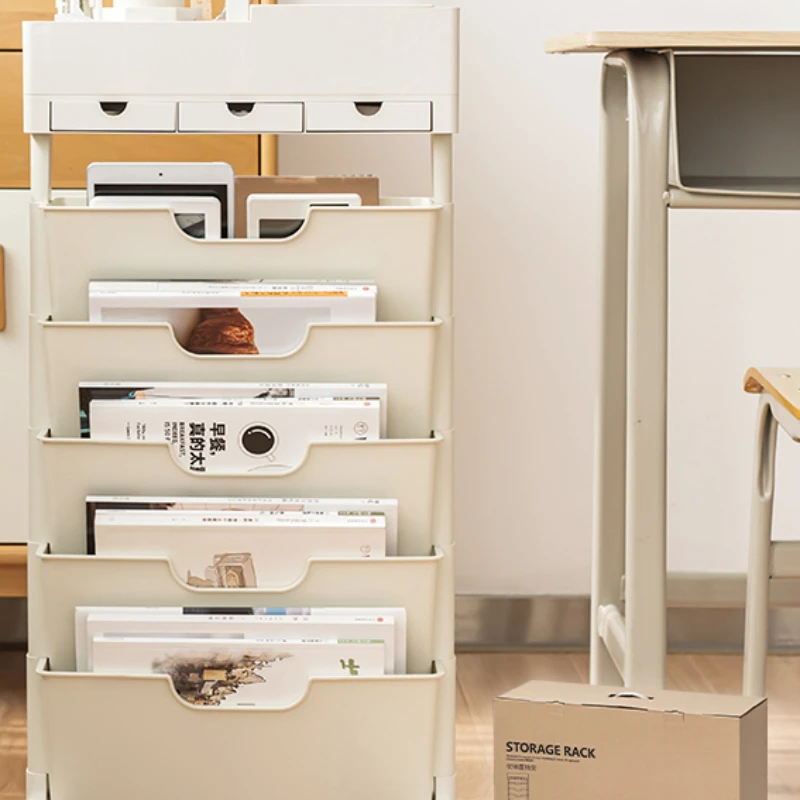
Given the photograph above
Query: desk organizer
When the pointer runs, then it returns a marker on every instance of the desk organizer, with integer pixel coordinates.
(350, 69)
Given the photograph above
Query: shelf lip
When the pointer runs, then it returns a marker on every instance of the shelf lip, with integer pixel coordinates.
(45, 438)
(608, 41)
(434, 322)
(436, 556)
(435, 676)
(684, 198)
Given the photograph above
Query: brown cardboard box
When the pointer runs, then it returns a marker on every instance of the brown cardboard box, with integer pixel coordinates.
(556, 741)
(365, 186)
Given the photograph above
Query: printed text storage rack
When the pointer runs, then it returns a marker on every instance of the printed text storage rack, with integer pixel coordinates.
(297, 69)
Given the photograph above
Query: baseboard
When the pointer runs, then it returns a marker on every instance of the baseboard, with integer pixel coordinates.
(706, 613)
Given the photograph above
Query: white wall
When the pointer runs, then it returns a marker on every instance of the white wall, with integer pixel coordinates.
(527, 259)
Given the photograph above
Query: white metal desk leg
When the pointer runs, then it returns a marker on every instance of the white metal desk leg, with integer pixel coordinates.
(608, 538)
(756, 631)
(646, 412)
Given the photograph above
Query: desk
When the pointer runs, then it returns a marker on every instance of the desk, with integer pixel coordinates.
(689, 120)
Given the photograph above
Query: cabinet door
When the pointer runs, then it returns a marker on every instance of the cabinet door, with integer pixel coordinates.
(14, 210)
(72, 152)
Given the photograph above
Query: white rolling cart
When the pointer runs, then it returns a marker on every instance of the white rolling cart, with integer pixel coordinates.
(286, 69)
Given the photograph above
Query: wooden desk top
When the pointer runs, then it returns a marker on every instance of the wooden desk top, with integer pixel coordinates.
(605, 42)
(783, 384)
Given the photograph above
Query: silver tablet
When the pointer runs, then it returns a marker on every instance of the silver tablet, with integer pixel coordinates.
(171, 179)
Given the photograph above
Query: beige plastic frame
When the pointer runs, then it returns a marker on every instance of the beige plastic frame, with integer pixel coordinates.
(640, 107)
(628, 644)
(428, 699)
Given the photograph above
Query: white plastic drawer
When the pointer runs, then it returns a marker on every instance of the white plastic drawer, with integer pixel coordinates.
(368, 116)
(243, 117)
(91, 115)
(131, 737)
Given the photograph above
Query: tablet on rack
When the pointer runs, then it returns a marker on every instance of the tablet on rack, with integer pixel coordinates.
(213, 179)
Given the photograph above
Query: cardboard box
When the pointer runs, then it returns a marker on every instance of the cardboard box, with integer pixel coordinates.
(366, 186)
(556, 741)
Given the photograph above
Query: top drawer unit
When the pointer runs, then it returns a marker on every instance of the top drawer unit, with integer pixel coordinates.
(89, 115)
(241, 116)
(356, 68)
(376, 117)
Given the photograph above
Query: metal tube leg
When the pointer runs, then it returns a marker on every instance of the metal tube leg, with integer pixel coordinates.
(608, 535)
(646, 413)
(756, 631)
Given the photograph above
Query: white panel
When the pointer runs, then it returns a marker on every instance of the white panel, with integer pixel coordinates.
(377, 740)
(398, 354)
(392, 244)
(89, 115)
(14, 211)
(70, 469)
(734, 290)
(242, 117)
(68, 581)
(368, 117)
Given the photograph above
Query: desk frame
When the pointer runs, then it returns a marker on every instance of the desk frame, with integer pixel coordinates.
(629, 543)
(639, 138)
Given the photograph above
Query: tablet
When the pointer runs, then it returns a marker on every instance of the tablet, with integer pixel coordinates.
(275, 216)
(199, 217)
(170, 179)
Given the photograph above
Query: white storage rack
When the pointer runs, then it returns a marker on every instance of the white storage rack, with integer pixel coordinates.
(287, 69)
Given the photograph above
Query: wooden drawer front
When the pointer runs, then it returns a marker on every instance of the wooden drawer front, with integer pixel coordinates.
(12, 15)
(72, 153)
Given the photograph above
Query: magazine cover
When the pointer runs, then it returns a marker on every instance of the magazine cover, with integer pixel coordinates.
(396, 614)
(252, 626)
(138, 390)
(236, 436)
(234, 317)
(238, 672)
(238, 550)
(276, 505)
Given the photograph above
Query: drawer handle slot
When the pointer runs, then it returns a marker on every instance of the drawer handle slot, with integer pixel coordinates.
(240, 109)
(113, 109)
(368, 109)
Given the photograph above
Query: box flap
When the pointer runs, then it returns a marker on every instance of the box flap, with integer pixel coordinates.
(578, 694)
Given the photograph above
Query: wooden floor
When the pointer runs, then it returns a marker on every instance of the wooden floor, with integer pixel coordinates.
(480, 678)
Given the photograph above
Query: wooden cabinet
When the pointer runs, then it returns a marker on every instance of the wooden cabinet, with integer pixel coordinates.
(14, 227)
(72, 152)
(14, 12)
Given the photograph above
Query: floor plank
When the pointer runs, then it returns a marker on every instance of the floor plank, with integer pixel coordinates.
(12, 725)
(481, 677)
